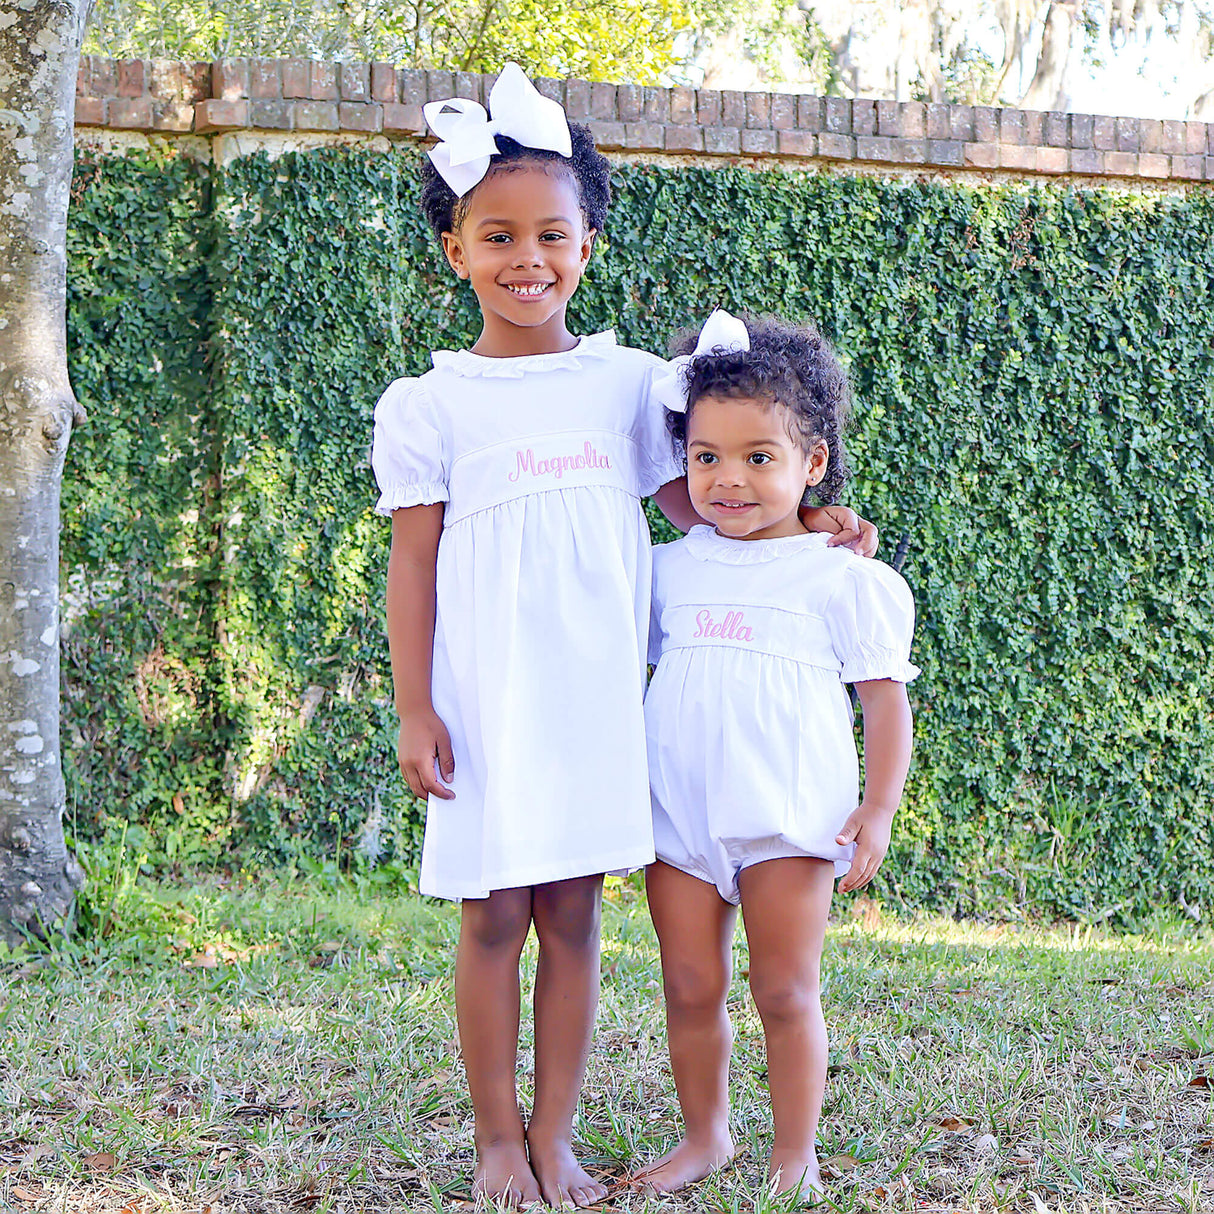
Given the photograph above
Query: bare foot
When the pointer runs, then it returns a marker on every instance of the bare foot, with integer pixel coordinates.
(562, 1180)
(796, 1172)
(685, 1164)
(504, 1175)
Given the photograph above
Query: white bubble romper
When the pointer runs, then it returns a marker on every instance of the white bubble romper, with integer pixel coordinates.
(752, 755)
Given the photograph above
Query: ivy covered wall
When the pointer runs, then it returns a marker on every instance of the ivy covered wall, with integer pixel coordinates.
(1035, 388)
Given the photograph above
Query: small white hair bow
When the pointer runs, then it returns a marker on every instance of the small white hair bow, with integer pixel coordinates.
(468, 134)
(722, 334)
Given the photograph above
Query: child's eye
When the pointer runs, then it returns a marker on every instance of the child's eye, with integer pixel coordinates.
(553, 236)
(706, 457)
(759, 458)
(498, 238)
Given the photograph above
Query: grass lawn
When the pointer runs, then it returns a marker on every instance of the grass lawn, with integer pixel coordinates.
(290, 1047)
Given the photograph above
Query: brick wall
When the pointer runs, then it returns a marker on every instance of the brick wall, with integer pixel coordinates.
(302, 95)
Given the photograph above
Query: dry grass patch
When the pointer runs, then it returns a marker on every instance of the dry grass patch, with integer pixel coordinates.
(279, 1048)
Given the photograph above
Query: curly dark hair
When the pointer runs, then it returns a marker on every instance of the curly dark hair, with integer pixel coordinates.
(789, 365)
(590, 168)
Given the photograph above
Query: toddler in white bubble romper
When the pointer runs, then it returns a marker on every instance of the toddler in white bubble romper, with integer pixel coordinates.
(757, 625)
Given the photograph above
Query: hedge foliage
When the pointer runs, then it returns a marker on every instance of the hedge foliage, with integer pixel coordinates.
(1035, 387)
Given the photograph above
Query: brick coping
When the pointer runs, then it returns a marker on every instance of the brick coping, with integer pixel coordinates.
(316, 96)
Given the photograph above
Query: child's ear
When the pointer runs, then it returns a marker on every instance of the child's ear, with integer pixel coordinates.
(588, 240)
(819, 458)
(454, 251)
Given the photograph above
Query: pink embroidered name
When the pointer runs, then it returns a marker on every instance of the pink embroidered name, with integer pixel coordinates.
(731, 628)
(558, 465)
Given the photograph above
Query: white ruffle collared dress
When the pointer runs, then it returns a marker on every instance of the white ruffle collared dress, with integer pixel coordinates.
(751, 751)
(543, 586)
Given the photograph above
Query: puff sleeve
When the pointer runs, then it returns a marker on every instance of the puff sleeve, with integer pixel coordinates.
(658, 461)
(409, 450)
(871, 619)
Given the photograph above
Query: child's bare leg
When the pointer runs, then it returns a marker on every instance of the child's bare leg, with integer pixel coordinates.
(492, 932)
(695, 929)
(567, 916)
(784, 905)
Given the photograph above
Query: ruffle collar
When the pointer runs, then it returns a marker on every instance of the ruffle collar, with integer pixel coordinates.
(705, 544)
(464, 362)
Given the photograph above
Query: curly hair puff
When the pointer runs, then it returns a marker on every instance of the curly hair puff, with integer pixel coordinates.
(591, 171)
(789, 365)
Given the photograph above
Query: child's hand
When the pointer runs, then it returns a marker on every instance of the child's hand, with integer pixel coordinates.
(424, 739)
(850, 529)
(870, 827)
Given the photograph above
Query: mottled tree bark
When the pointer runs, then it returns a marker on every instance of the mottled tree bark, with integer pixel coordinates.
(39, 53)
(1048, 90)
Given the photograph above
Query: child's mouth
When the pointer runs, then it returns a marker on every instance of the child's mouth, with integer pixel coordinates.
(732, 507)
(527, 290)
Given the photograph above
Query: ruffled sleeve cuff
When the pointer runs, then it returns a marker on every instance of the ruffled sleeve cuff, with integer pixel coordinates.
(401, 497)
(408, 451)
(872, 621)
(656, 473)
(878, 664)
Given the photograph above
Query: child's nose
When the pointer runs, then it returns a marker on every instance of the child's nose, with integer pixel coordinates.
(527, 253)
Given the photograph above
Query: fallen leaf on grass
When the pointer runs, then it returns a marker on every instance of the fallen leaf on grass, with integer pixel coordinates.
(954, 1125)
(28, 1192)
(901, 1185)
(102, 1161)
(34, 1153)
(986, 1145)
(201, 961)
(1022, 1158)
(1039, 1206)
(1202, 1081)
(841, 1163)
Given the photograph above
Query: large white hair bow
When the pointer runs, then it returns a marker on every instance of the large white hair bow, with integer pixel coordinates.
(468, 134)
(721, 334)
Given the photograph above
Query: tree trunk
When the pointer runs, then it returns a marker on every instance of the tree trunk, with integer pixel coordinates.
(1048, 89)
(39, 54)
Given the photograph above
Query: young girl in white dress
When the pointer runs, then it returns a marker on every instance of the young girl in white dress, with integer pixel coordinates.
(518, 609)
(757, 626)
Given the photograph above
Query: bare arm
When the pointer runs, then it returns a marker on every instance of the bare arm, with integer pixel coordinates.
(888, 731)
(849, 528)
(411, 601)
(675, 503)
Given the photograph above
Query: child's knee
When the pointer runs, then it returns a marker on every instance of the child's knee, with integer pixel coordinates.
(785, 998)
(498, 924)
(693, 987)
(568, 917)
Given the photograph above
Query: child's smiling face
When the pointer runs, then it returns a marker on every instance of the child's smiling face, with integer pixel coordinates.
(523, 243)
(745, 472)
